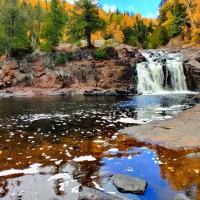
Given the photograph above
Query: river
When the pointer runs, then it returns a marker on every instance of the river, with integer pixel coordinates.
(52, 145)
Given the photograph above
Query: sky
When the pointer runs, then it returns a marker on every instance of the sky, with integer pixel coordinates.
(147, 8)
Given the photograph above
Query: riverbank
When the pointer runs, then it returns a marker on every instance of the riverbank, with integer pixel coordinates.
(81, 72)
(180, 132)
(32, 91)
(72, 72)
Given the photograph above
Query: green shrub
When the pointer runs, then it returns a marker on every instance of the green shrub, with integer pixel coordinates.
(100, 54)
(46, 47)
(61, 59)
(79, 44)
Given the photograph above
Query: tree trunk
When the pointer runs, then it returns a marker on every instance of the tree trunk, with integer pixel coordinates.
(187, 4)
(89, 42)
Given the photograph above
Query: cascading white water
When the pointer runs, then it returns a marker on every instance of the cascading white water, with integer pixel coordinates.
(162, 72)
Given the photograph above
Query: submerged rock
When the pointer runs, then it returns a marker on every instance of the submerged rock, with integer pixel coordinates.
(92, 194)
(125, 183)
(193, 155)
(181, 197)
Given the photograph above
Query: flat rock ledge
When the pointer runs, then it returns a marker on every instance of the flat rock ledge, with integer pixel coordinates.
(128, 184)
(182, 131)
(181, 197)
(92, 194)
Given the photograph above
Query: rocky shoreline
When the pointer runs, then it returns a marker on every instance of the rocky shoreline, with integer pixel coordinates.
(80, 72)
(182, 131)
(71, 72)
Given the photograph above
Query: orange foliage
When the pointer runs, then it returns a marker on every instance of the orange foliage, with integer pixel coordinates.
(115, 22)
(114, 30)
(127, 21)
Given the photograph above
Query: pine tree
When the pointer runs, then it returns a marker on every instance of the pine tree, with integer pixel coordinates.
(38, 18)
(13, 28)
(84, 22)
(52, 30)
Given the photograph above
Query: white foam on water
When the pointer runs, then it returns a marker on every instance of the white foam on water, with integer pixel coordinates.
(63, 185)
(59, 176)
(130, 121)
(32, 170)
(84, 158)
(99, 141)
(163, 109)
(75, 189)
(98, 186)
(58, 162)
(114, 149)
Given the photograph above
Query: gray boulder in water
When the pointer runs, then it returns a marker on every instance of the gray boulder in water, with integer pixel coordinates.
(181, 197)
(125, 183)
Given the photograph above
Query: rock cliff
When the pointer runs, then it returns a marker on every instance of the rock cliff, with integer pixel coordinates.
(191, 64)
(64, 72)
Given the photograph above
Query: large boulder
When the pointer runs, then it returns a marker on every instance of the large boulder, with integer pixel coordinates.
(125, 183)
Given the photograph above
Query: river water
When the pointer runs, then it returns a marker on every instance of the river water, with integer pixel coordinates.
(52, 145)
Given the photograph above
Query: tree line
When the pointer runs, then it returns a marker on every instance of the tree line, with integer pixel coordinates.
(177, 18)
(26, 26)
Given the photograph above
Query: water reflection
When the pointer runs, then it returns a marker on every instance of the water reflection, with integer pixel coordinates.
(52, 131)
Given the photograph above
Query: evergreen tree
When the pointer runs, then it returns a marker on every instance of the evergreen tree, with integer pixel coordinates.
(52, 30)
(141, 33)
(29, 12)
(128, 33)
(14, 27)
(84, 21)
(158, 38)
(38, 18)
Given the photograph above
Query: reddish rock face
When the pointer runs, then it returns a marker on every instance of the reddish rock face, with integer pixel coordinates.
(74, 70)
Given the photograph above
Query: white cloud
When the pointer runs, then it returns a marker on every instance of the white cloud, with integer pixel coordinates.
(130, 9)
(72, 1)
(108, 8)
(151, 15)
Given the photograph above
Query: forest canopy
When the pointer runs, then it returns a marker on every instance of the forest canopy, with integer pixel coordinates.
(28, 25)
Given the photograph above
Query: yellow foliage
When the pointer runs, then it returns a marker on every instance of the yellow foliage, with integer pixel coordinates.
(196, 35)
(186, 33)
(127, 21)
(97, 36)
(118, 36)
(116, 22)
(115, 32)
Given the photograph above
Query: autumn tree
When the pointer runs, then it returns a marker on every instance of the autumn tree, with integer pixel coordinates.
(113, 31)
(84, 21)
(173, 17)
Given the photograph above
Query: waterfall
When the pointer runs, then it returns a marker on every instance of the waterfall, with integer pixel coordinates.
(161, 72)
